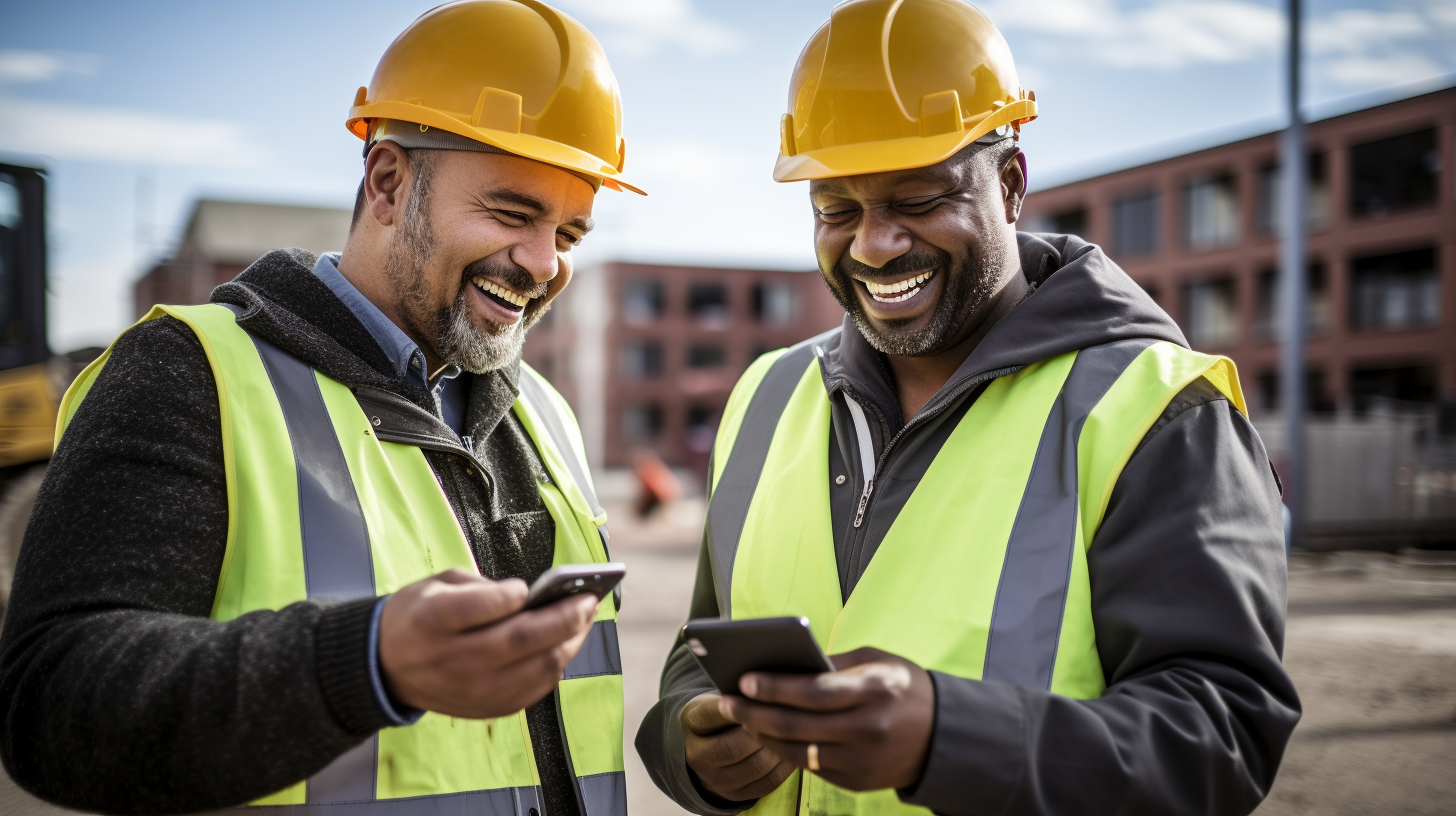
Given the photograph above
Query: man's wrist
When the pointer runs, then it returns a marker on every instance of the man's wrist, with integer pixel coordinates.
(397, 713)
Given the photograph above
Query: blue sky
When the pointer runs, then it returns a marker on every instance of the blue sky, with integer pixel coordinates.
(139, 108)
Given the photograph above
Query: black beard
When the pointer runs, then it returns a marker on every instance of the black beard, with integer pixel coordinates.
(967, 285)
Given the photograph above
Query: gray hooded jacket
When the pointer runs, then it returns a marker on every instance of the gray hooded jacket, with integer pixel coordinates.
(1188, 587)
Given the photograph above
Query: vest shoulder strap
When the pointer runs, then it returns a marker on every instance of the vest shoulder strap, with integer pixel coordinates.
(732, 492)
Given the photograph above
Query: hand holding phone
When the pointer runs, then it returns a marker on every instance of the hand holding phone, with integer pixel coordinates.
(727, 650)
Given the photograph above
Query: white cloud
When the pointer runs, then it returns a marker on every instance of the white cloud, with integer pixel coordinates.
(1356, 31)
(646, 26)
(1171, 34)
(111, 134)
(1352, 46)
(1380, 71)
(1189, 32)
(38, 66)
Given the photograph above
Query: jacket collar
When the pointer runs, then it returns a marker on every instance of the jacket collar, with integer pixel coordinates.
(286, 304)
(1079, 299)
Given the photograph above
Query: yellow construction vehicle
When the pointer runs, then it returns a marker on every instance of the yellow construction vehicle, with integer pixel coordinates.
(31, 379)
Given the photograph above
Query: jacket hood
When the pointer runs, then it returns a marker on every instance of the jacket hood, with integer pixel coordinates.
(1079, 299)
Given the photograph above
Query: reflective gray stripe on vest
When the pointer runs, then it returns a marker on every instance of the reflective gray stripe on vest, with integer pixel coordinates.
(1026, 621)
(524, 801)
(337, 563)
(545, 407)
(598, 655)
(605, 794)
(733, 493)
(535, 395)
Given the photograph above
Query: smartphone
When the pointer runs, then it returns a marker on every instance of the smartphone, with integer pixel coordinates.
(574, 579)
(727, 650)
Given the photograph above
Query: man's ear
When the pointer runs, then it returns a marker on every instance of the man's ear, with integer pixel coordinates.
(1013, 184)
(387, 174)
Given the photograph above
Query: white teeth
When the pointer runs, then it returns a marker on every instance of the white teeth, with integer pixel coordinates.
(890, 292)
(501, 292)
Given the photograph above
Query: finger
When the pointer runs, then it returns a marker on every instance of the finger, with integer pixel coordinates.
(701, 715)
(457, 607)
(721, 750)
(457, 575)
(859, 657)
(830, 691)
(797, 753)
(766, 784)
(791, 724)
(746, 777)
(529, 633)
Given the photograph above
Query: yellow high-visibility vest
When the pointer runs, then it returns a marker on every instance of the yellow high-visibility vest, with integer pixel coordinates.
(983, 572)
(325, 503)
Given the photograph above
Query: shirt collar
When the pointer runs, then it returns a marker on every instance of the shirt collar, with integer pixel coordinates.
(403, 353)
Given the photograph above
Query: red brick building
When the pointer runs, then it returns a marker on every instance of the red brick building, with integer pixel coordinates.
(647, 353)
(1199, 232)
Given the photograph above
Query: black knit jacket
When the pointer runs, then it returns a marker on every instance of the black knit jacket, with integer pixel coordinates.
(118, 693)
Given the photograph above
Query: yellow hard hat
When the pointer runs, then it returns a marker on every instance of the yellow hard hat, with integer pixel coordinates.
(514, 74)
(896, 84)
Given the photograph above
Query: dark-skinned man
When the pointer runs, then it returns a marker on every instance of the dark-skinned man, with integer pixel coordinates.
(1037, 534)
(281, 553)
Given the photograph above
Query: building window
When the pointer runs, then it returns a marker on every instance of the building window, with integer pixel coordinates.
(1317, 396)
(1211, 313)
(1135, 225)
(1067, 222)
(642, 301)
(641, 423)
(776, 304)
(641, 360)
(1399, 291)
(1271, 196)
(1210, 213)
(1316, 306)
(1403, 383)
(1394, 174)
(700, 429)
(706, 355)
(708, 303)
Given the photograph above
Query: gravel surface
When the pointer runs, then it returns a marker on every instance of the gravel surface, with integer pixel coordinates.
(1371, 646)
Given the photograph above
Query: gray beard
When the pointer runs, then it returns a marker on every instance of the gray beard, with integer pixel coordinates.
(968, 286)
(460, 342)
(451, 331)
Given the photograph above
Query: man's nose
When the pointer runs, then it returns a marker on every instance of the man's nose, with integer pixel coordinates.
(879, 239)
(537, 255)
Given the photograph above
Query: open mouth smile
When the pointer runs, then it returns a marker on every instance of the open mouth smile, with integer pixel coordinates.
(898, 291)
(512, 302)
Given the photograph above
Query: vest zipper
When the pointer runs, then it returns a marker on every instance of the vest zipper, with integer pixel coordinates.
(875, 465)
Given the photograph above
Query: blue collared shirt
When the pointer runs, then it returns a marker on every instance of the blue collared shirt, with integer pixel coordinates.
(451, 391)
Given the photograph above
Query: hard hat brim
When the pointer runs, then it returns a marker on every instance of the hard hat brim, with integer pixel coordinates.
(892, 155)
(525, 145)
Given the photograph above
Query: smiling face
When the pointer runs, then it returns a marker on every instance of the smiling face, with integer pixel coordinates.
(475, 251)
(916, 257)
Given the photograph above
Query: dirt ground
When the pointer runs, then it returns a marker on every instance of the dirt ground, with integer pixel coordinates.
(1371, 646)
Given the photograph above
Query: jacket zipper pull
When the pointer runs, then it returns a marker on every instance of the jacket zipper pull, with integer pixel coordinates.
(864, 500)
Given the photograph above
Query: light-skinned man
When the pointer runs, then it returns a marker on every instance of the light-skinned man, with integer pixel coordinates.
(281, 554)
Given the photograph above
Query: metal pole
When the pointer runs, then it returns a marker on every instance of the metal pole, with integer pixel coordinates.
(1293, 296)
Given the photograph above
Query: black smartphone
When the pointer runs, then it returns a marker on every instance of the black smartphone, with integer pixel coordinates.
(729, 649)
(574, 579)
